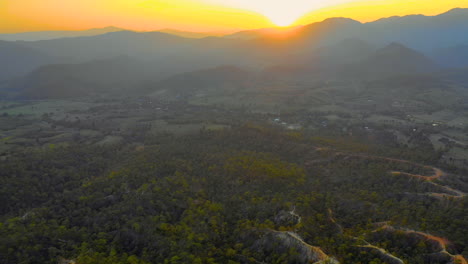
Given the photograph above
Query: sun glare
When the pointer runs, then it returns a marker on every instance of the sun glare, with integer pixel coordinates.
(280, 12)
(201, 15)
(282, 20)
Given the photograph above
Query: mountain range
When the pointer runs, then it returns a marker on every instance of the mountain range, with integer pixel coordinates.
(336, 48)
(46, 35)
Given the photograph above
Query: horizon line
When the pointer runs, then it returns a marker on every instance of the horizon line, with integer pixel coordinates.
(232, 31)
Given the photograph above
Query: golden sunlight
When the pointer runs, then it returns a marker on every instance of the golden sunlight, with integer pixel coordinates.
(200, 15)
(281, 12)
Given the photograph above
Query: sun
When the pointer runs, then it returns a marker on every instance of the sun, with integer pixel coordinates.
(280, 12)
(282, 19)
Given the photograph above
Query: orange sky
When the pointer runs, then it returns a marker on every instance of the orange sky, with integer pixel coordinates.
(200, 15)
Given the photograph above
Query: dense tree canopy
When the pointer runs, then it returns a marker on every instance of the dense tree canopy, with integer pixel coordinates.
(251, 194)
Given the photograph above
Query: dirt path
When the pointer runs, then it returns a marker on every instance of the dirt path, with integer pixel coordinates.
(391, 258)
(443, 243)
(456, 193)
(384, 253)
(437, 173)
(319, 255)
(318, 252)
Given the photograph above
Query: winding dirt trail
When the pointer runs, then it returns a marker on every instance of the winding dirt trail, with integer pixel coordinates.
(437, 173)
(384, 253)
(318, 253)
(390, 258)
(443, 243)
(456, 193)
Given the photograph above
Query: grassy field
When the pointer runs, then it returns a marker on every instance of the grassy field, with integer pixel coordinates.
(88, 122)
(59, 108)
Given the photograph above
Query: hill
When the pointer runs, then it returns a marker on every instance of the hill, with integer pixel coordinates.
(414, 31)
(189, 34)
(47, 35)
(265, 47)
(424, 33)
(113, 76)
(454, 56)
(18, 59)
(220, 81)
(393, 59)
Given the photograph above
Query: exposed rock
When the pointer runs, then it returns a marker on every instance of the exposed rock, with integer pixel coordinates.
(285, 218)
(283, 242)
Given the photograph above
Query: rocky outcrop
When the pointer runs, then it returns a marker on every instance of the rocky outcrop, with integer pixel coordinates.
(283, 242)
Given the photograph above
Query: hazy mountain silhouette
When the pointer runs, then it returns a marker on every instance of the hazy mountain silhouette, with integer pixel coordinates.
(76, 80)
(305, 39)
(112, 44)
(420, 32)
(323, 62)
(393, 59)
(456, 56)
(415, 31)
(459, 76)
(47, 35)
(336, 48)
(119, 76)
(343, 52)
(356, 59)
(189, 34)
(265, 32)
(209, 52)
(221, 80)
(17, 59)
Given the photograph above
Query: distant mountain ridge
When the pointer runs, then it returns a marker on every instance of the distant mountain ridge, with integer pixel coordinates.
(424, 33)
(78, 80)
(219, 81)
(109, 45)
(17, 59)
(415, 31)
(128, 76)
(189, 34)
(455, 56)
(393, 59)
(334, 48)
(47, 35)
(452, 20)
(357, 60)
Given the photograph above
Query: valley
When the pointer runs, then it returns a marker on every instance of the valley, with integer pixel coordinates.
(333, 142)
(330, 152)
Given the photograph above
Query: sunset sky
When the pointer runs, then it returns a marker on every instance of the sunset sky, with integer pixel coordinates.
(200, 15)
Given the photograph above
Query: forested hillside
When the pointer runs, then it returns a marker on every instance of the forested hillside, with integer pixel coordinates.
(251, 194)
(333, 142)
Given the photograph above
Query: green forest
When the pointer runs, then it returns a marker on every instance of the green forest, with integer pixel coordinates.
(249, 194)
